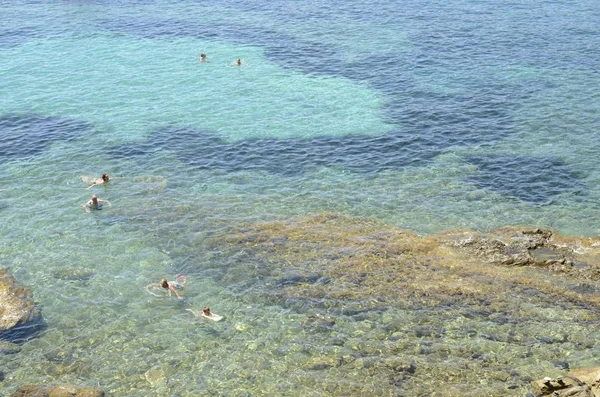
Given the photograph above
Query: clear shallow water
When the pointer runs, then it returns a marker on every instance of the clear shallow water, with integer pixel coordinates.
(429, 117)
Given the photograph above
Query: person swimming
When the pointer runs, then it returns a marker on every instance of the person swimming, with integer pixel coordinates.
(238, 62)
(170, 286)
(205, 313)
(99, 181)
(94, 203)
(202, 57)
(180, 281)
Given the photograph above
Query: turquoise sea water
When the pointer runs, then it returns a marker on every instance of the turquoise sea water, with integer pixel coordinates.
(453, 114)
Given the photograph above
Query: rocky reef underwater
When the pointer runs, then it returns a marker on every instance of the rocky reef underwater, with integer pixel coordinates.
(509, 311)
(456, 313)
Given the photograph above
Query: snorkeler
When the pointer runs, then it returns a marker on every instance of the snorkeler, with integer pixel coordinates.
(202, 57)
(94, 203)
(171, 286)
(99, 181)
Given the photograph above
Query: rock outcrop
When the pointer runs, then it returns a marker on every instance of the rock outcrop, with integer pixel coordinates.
(19, 318)
(583, 382)
(515, 246)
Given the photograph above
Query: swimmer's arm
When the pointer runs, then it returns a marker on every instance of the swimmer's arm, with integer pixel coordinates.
(85, 205)
(193, 312)
(175, 291)
(105, 201)
(91, 186)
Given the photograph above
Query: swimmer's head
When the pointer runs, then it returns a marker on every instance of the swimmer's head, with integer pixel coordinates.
(94, 198)
(105, 177)
(202, 55)
(164, 283)
(206, 311)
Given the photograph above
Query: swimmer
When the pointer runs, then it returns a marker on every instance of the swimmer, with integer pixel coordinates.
(202, 57)
(99, 181)
(238, 62)
(94, 203)
(206, 313)
(168, 285)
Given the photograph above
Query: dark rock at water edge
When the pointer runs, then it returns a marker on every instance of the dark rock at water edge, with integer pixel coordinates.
(20, 319)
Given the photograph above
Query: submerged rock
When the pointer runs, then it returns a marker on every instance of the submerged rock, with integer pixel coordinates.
(458, 305)
(376, 264)
(155, 377)
(74, 273)
(19, 318)
(57, 391)
(9, 348)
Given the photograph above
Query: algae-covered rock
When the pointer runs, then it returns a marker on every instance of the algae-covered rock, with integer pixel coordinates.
(479, 312)
(373, 264)
(18, 315)
(57, 391)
